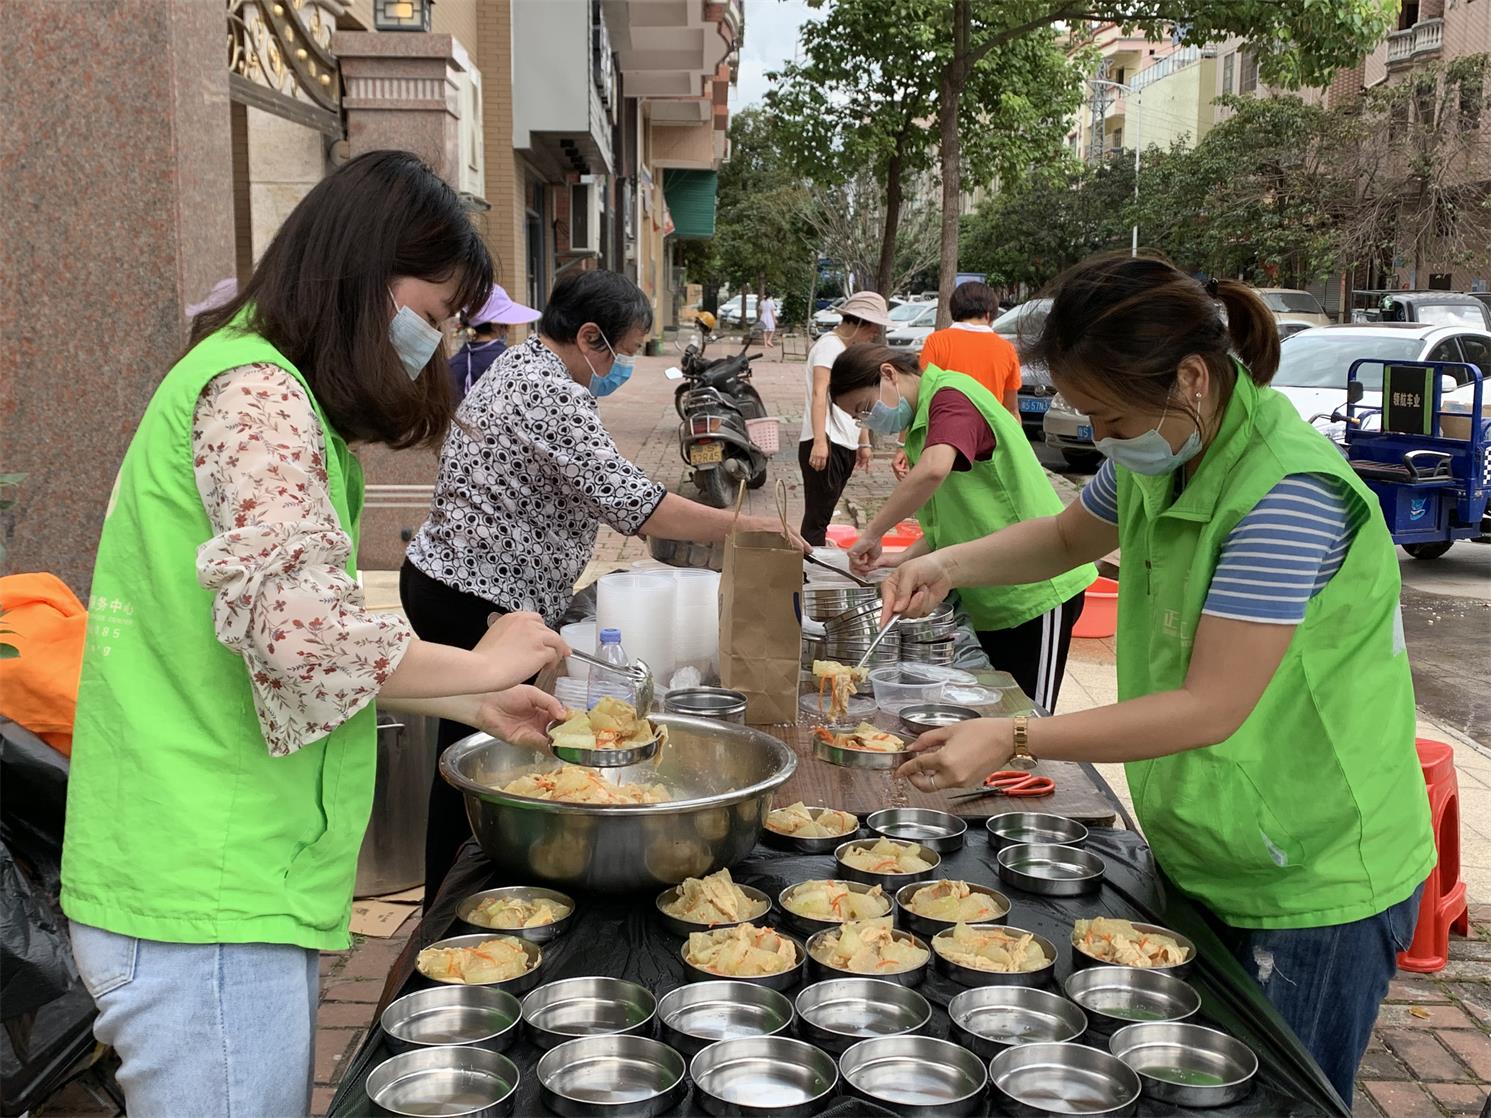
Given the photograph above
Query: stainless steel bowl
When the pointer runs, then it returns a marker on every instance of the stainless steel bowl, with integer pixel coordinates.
(520, 985)
(916, 1076)
(587, 1007)
(820, 971)
(940, 622)
(724, 775)
(1021, 828)
(783, 980)
(764, 1075)
(842, 1012)
(695, 1016)
(935, 830)
(717, 703)
(857, 617)
(890, 882)
(1047, 1079)
(442, 1015)
(972, 976)
(1081, 959)
(1113, 997)
(450, 1081)
(857, 758)
(1187, 1065)
(1053, 871)
(825, 603)
(809, 925)
(543, 933)
(808, 845)
(933, 716)
(988, 1020)
(927, 926)
(608, 758)
(679, 926)
(941, 653)
(617, 1076)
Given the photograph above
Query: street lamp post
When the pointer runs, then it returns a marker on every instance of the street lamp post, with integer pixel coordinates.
(1134, 244)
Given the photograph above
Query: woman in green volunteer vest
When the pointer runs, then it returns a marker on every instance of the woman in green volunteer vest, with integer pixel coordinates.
(1266, 711)
(224, 749)
(973, 472)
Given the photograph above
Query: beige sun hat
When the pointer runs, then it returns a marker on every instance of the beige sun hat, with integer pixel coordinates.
(867, 306)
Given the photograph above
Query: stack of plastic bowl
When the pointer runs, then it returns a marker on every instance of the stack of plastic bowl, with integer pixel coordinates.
(641, 605)
(696, 620)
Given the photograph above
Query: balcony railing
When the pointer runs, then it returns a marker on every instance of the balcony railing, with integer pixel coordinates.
(1424, 37)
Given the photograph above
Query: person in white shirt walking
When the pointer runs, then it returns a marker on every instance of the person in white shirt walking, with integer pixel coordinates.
(767, 320)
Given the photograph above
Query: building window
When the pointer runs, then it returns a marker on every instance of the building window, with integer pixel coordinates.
(1247, 80)
(1228, 64)
(1472, 96)
(1423, 103)
(1408, 14)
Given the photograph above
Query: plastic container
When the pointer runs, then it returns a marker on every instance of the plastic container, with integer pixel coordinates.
(602, 683)
(1099, 616)
(581, 635)
(764, 433)
(902, 536)
(900, 685)
(696, 621)
(842, 535)
(641, 605)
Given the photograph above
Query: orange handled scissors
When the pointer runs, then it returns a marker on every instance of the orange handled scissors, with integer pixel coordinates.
(1011, 782)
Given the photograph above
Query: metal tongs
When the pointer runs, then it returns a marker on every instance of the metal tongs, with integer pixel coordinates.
(895, 619)
(637, 673)
(826, 565)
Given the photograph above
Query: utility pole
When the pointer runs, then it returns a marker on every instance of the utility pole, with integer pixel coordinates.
(1100, 95)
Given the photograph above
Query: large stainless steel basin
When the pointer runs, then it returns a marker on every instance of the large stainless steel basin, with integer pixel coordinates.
(723, 774)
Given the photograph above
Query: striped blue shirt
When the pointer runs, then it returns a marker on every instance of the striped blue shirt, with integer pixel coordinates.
(1278, 557)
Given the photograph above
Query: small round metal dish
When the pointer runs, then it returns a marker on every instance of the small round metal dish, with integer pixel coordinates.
(934, 716)
(928, 926)
(478, 1015)
(520, 985)
(890, 882)
(764, 1075)
(1022, 828)
(857, 758)
(617, 1076)
(1061, 1079)
(973, 976)
(679, 926)
(783, 980)
(1113, 997)
(935, 830)
(916, 1076)
(695, 1016)
(450, 1081)
(610, 758)
(820, 971)
(541, 933)
(587, 1007)
(1081, 959)
(988, 1020)
(842, 1012)
(1051, 870)
(1187, 1065)
(808, 845)
(811, 925)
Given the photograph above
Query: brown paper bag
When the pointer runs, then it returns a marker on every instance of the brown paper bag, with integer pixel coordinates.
(760, 635)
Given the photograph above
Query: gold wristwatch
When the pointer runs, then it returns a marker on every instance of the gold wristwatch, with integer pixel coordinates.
(1022, 758)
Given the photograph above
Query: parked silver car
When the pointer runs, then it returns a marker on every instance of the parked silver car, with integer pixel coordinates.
(1015, 324)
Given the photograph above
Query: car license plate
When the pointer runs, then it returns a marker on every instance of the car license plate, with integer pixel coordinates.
(1085, 434)
(706, 454)
(1036, 404)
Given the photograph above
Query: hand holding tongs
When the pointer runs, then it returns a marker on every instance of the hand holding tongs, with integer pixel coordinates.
(638, 673)
(827, 566)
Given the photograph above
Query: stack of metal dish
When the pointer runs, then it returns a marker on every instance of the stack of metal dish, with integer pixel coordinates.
(828, 603)
(847, 636)
(929, 639)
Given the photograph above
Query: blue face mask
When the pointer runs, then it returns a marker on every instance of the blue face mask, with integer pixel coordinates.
(414, 339)
(1150, 453)
(622, 365)
(886, 420)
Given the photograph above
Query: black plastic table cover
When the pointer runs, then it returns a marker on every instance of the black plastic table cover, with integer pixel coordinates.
(620, 937)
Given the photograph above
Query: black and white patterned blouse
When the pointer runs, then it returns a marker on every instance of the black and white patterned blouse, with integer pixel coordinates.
(519, 499)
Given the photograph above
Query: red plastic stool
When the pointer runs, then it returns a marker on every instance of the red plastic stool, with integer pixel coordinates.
(1443, 908)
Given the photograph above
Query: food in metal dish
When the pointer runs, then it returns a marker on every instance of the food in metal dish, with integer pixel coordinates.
(610, 724)
(499, 959)
(798, 822)
(868, 947)
(954, 901)
(1120, 943)
(840, 681)
(834, 900)
(991, 949)
(715, 899)
(744, 951)
(888, 857)
(579, 784)
(864, 737)
(516, 912)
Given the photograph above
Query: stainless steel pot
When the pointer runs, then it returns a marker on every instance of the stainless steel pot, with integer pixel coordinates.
(718, 703)
(722, 774)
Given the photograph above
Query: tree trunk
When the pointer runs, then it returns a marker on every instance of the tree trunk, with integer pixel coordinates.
(950, 89)
(884, 272)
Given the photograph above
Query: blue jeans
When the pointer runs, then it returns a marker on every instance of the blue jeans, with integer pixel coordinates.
(206, 1029)
(1328, 983)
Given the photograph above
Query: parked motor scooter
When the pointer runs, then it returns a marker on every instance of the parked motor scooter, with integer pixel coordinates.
(728, 375)
(714, 402)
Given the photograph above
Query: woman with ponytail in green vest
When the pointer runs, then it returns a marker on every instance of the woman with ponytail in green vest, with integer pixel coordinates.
(972, 473)
(224, 750)
(1266, 711)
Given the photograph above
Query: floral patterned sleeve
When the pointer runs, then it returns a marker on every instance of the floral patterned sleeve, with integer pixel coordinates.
(276, 563)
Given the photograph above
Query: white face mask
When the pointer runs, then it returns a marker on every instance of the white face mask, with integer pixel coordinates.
(414, 339)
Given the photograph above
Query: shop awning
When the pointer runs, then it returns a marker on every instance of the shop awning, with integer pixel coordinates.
(691, 198)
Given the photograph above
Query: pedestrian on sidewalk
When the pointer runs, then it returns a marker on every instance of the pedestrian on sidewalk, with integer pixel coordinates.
(225, 741)
(831, 447)
(768, 320)
(488, 330)
(1266, 709)
(972, 472)
(527, 475)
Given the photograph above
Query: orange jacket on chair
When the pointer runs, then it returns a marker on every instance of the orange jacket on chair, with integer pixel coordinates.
(39, 688)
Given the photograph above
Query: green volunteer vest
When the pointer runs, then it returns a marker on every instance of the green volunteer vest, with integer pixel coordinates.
(1010, 487)
(180, 825)
(1314, 812)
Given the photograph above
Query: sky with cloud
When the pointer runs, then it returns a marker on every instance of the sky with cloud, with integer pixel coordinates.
(771, 28)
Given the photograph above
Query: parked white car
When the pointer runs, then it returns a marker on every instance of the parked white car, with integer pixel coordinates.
(826, 319)
(730, 310)
(1291, 303)
(1024, 321)
(910, 324)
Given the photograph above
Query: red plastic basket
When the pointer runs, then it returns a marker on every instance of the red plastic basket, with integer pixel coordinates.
(765, 433)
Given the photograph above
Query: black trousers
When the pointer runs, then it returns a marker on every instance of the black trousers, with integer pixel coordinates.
(821, 489)
(1035, 652)
(444, 615)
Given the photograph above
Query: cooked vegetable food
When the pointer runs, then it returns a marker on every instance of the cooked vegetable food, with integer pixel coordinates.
(610, 724)
(835, 900)
(864, 737)
(799, 822)
(580, 784)
(838, 681)
(516, 912)
(498, 959)
(954, 902)
(992, 949)
(887, 856)
(1120, 943)
(715, 899)
(744, 951)
(869, 947)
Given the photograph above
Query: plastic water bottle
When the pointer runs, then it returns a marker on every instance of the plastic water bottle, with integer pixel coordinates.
(602, 684)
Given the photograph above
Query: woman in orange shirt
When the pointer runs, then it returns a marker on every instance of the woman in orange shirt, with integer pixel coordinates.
(970, 345)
